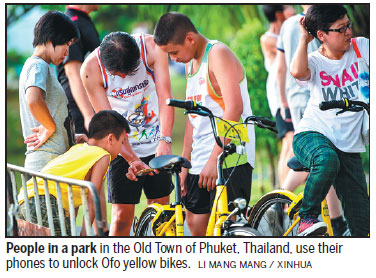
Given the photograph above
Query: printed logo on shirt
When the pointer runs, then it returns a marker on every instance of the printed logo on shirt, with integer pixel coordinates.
(201, 81)
(127, 92)
(340, 86)
(148, 136)
(196, 98)
(141, 117)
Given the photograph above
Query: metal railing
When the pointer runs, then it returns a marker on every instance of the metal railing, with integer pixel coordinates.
(12, 208)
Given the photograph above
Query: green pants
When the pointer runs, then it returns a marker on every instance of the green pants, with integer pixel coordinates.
(330, 166)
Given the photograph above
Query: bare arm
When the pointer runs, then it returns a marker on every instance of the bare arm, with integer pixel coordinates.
(281, 82)
(38, 108)
(281, 78)
(187, 150)
(163, 88)
(268, 47)
(92, 81)
(72, 71)
(225, 71)
(98, 171)
(299, 64)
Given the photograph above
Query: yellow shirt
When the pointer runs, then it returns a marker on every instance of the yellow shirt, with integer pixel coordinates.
(74, 164)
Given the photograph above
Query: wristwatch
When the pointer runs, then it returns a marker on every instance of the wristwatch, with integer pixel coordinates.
(167, 139)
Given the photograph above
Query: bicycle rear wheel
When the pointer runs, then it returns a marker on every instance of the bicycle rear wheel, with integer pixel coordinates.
(269, 216)
(242, 232)
(145, 223)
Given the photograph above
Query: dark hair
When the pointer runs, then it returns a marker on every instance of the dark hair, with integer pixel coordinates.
(105, 122)
(270, 10)
(320, 17)
(55, 27)
(120, 53)
(173, 27)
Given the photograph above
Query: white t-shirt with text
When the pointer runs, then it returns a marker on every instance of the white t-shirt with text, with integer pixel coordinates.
(335, 80)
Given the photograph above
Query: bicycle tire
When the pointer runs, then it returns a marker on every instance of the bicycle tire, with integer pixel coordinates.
(243, 231)
(144, 224)
(269, 216)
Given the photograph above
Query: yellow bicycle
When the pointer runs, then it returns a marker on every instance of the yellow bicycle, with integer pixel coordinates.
(168, 220)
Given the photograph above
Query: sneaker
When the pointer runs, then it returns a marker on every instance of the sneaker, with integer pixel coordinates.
(346, 233)
(310, 225)
(340, 227)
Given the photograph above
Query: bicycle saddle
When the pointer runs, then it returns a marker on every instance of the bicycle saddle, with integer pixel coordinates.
(295, 165)
(169, 161)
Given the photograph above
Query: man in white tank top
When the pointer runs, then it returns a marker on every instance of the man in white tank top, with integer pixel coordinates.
(130, 74)
(215, 79)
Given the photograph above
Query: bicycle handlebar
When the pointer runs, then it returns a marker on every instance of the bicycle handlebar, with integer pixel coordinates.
(192, 107)
(263, 120)
(186, 104)
(344, 104)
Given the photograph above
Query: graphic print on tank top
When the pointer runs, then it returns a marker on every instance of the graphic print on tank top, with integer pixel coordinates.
(135, 97)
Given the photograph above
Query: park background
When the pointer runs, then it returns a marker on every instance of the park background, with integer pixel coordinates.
(238, 26)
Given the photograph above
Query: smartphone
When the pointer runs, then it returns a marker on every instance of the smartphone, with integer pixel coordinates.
(144, 172)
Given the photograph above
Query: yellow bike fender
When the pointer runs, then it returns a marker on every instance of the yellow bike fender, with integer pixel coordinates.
(292, 211)
(287, 193)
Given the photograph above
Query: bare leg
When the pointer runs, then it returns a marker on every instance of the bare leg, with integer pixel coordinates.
(286, 154)
(121, 219)
(103, 204)
(197, 223)
(334, 205)
(162, 201)
(294, 179)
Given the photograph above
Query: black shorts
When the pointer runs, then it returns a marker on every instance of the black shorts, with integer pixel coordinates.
(199, 200)
(282, 126)
(121, 190)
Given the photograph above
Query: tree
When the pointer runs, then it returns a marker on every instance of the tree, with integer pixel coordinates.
(15, 12)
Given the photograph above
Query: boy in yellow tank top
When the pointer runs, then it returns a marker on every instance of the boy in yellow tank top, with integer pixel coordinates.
(89, 161)
(217, 78)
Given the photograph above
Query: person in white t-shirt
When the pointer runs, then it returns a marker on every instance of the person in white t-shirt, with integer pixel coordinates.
(327, 143)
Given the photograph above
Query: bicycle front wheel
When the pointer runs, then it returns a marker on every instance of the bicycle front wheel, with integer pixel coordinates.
(242, 232)
(145, 223)
(269, 216)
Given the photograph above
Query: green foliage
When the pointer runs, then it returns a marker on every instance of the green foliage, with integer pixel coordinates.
(15, 145)
(246, 45)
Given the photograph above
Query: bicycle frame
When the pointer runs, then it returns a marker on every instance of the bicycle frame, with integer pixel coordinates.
(219, 210)
(172, 224)
(175, 225)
